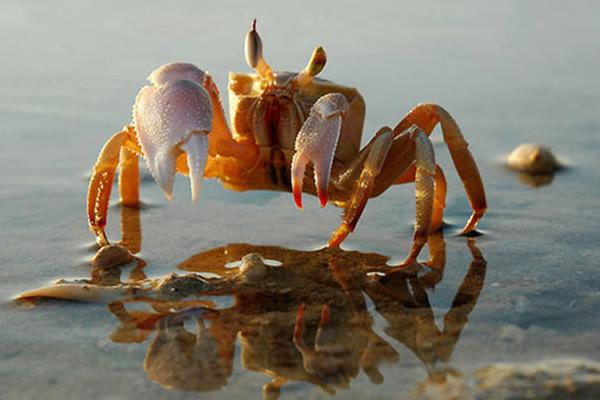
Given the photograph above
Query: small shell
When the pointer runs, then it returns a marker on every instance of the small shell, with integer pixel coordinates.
(111, 256)
(253, 268)
(533, 159)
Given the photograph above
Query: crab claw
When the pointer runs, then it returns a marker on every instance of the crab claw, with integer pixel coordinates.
(316, 142)
(196, 148)
(171, 116)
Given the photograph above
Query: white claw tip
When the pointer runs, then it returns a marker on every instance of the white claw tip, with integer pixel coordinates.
(196, 148)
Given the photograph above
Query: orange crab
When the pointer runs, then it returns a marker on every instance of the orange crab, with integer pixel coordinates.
(281, 122)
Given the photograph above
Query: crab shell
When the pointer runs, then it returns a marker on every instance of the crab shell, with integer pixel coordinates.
(271, 112)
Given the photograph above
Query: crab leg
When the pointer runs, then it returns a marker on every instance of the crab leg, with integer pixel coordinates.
(316, 142)
(424, 192)
(103, 175)
(411, 146)
(426, 116)
(129, 178)
(376, 153)
(439, 196)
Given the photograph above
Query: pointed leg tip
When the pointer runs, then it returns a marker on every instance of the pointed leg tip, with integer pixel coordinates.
(471, 233)
(470, 229)
(467, 229)
(471, 225)
(407, 263)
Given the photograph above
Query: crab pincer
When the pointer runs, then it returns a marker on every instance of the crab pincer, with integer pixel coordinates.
(174, 116)
(316, 143)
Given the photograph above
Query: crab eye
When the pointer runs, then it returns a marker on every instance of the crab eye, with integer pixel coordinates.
(254, 56)
(317, 62)
(253, 47)
(315, 65)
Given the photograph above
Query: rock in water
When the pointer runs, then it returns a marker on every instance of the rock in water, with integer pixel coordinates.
(533, 159)
(110, 256)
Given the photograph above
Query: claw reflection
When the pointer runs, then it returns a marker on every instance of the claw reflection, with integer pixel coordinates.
(179, 359)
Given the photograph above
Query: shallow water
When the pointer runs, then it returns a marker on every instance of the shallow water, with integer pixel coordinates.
(509, 73)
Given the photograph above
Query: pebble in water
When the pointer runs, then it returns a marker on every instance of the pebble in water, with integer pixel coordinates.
(532, 159)
(111, 256)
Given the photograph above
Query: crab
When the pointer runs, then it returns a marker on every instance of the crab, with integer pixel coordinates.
(281, 123)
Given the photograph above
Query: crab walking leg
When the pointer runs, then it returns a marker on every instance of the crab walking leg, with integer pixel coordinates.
(410, 147)
(424, 182)
(377, 152)
(129, 178)
(103, 175)
(439, 195)
(426, 116)
(316, 142)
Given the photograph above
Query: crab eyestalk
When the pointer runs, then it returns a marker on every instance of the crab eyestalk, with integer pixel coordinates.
(314, 67)
(254, 55)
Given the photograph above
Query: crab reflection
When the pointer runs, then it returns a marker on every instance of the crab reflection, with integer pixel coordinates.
(296, 316)
(304, 320)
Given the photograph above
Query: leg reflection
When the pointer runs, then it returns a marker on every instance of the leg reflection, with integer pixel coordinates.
(403, 301)
(131, 230)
